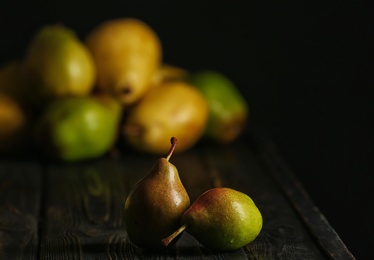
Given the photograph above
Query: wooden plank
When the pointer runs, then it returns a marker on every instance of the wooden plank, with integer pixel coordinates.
(324, 235)
(84, 206)
(283, 235)
(83, 212)
(20, 193)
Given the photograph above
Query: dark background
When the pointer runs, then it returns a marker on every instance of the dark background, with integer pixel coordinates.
(304, 68)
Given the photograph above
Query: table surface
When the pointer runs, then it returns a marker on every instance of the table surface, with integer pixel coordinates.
(51, 210)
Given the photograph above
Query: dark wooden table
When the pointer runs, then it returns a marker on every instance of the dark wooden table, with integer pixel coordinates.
(51, 210)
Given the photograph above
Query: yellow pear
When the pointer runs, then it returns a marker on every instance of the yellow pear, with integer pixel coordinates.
(168, 73)
(14, 108)
(12, 122)
(58, 64)
(171, 109)
(127, 53)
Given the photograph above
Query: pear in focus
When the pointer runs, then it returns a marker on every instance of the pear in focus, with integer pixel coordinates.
(127, 52)
(154, 206)
(222, 219)
(228, 110)
(171, 109)
(58, 64)
(76, 128)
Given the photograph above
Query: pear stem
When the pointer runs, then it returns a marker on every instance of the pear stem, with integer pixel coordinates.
(173, 142)
(166, 241)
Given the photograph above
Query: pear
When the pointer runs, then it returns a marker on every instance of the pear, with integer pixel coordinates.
(171, 109)
(222, 219)
(58, 64)
(15, 114)
(168, 73)
(228, 110)
(77, 128)
(127, 52)
(155, 204)
(13, 121)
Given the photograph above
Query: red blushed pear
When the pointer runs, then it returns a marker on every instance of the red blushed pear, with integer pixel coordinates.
(154, 206)
(221, 219)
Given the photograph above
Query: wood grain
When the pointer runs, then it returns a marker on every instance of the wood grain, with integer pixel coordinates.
(82, 217)
(324, 235)
(20, 196)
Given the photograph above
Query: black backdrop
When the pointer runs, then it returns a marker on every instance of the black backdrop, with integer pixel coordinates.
(303, 66)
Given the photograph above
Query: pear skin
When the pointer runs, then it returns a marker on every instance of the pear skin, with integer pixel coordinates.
(228, 110)
(78, 128)
(171, 109)
(168, 73)
(154, 206)
(12, 121)
(58, 64)
(221, 219)
(127, 52)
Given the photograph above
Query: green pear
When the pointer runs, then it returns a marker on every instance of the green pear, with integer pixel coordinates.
(221, 219)
(155, 204)
(58, 64)
(76, 128)
(228, 110)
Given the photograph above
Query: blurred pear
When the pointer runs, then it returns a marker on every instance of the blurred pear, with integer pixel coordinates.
(166, 73)
(228, 110)
(12, 123)
(127, 52)
(171, 109)
(58, 64)
(77, 128)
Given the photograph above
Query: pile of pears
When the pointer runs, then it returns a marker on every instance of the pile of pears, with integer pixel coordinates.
(75, 98)
(158, 210)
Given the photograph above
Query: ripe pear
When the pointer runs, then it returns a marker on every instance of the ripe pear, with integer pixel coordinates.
(77, 128)
(221, 219)
(155, 204)
(13, 122)
(58, 64)
(171, 109)
(167, 73)
(228, 110)
(127, 53)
